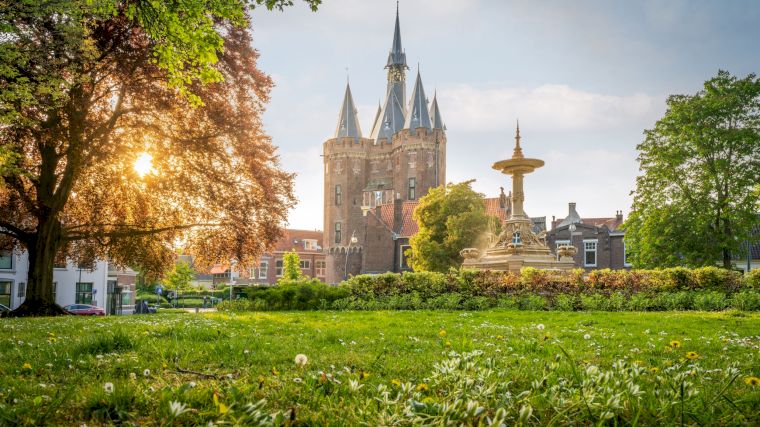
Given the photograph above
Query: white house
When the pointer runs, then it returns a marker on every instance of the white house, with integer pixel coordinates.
(71, 284)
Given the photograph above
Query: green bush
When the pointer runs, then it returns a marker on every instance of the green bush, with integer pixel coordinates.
(746, 300)
(710, 301)
(640, 302)
(708, 288)
(752, 279)
(683, 300)
(714, 278)
(532, 302)
(565, 302)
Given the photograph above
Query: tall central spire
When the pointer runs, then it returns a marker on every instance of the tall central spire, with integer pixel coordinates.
(391, 117)
(397, 56)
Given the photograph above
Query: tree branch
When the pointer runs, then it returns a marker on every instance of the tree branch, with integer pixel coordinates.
(133, 232)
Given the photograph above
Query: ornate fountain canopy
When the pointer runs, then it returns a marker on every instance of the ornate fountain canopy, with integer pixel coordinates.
(518, 163)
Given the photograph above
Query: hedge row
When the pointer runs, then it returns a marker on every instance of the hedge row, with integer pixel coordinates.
(471, 283)
(707, 288)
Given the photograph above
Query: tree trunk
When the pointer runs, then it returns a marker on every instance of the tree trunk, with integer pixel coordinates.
(42, 250)
(727, 264)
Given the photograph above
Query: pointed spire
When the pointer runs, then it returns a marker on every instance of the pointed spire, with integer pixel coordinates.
(418, 115)
(435, 114)
(518, 151)
(377, 116)
(391, 118)
(396, 55)
(348, 121)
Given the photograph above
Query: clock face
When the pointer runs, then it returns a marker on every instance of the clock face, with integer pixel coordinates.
(395, 74)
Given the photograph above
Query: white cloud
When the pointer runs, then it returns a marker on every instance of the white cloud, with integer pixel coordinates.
(550, 106)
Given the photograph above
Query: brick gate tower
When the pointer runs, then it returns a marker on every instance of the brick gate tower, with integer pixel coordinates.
(401, 159)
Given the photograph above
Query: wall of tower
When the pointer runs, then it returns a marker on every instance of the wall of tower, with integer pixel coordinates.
(355, 165)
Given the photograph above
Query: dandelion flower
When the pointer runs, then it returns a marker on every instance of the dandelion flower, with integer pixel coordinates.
(692, 355)
(755, 381)
(396, 382)
(27, 366)
(301, 360)
(422, 387)
(587, 337)
(654, 370)
(675, 344)
(146, 373)
(442, 333)
(540, 326)
(448, 344)
(108, 387)
(177, 408)
(363, 375)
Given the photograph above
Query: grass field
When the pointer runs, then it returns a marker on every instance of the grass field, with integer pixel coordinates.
(421, 367)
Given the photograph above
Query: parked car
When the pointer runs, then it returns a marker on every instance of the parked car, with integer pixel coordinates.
(85, 310)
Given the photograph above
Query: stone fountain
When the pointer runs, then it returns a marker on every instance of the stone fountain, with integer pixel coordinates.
(517, 246)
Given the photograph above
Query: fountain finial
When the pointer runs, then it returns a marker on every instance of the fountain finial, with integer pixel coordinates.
(518, 151)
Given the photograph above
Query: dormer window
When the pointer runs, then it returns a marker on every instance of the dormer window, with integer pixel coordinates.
(310, 244)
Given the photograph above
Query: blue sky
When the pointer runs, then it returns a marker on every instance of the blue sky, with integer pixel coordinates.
(585, 78)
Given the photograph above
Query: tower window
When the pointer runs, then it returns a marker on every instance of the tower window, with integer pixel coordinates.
(338, 195)
(412, 159)
(412, 188)
(338, 232)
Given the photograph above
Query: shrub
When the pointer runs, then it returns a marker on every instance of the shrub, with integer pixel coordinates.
(640, 302)
(594, 302)
(508, 302)
(752, 279)
(452, 301)
(710, 301)
(532, 302)
(478, 303)
(565, 302)
(746, 300)
(714, 278)
(683, 300)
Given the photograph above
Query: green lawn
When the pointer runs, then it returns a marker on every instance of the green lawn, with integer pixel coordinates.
(383, 368)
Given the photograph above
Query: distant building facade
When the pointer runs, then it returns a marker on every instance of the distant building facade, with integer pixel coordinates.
(306, 243)
(371, 181)
(72, 284)
(599, 241)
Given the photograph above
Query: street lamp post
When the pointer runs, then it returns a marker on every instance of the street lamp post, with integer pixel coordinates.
(353, 240)
(233, 262)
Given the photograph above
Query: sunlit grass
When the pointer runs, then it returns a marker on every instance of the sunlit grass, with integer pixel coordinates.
(360, 364)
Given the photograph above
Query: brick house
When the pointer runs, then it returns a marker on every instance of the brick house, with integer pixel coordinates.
(599, 241)
(306, 243)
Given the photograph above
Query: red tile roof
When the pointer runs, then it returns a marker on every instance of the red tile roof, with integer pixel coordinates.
(493, 208)
(293, 239)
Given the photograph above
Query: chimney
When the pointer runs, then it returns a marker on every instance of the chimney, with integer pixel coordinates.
(571, 208)
(619, 216)
(398, 214)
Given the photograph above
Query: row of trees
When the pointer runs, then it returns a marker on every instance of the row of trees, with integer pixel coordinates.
(695, 203)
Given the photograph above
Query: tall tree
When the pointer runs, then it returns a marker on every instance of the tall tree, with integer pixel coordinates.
(179, 277)
(134, 125)
(450, 218)
(291, 266)
(696, 200)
